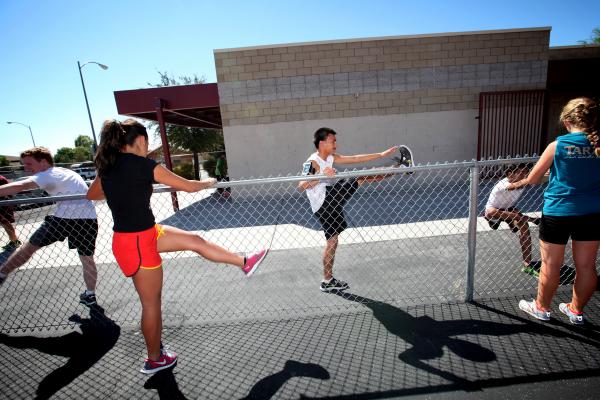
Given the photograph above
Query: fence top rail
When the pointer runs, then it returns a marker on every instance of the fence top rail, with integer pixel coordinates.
(298, 178)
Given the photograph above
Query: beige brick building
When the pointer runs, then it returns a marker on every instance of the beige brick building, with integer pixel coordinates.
(421, 90)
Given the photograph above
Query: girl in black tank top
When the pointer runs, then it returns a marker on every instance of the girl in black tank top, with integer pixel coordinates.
(125, 178)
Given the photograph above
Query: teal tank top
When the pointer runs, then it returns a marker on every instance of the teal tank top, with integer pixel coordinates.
(574, 186)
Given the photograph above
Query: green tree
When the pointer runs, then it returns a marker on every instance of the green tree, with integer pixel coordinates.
(84, 141)
(4, 161)
(82, 154)
(594, 39)
(195, 140)
(64, 155)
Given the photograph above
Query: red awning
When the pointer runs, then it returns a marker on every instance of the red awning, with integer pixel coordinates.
(187, 105)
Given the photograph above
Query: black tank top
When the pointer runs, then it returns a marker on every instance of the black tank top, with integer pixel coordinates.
(128, 188)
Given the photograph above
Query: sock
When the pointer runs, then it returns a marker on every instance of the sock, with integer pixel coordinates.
(570, 307)
(327, 280)
(89, 292)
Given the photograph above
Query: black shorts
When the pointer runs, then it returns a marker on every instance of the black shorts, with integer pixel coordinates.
(331, 214)
(557, 230)
(82, 233)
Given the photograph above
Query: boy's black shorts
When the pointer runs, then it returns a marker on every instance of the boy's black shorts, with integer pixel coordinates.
(82, 233)
(331, 214)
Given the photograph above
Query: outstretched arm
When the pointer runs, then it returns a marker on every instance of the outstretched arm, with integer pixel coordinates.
(361, 158)
(16, 187)
(537, 173)
(166, 177)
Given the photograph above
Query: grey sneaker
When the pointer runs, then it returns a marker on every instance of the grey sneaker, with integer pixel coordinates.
(87, 299)
(333, 286)
(574, 318)
(531, 308)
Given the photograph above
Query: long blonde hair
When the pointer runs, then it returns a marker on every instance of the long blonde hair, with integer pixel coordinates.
(582, 113)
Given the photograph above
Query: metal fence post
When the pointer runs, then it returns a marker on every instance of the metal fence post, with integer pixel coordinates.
(472, 230)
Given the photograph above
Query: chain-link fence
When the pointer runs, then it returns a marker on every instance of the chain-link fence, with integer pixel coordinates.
(418, 236)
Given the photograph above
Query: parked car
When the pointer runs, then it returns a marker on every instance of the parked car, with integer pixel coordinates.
(86, 170)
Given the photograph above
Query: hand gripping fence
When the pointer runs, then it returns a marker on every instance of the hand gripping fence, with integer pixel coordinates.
(417, 238)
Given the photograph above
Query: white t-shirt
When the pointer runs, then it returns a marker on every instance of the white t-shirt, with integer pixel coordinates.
(316, 194)
(61, 181)
(502, 198)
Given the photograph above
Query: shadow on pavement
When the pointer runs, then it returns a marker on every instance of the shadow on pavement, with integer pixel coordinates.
(429, 337)
(165, 384)
(98, 335)
(267, 387)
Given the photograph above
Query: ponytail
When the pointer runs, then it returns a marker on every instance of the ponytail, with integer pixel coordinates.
(593, 138)
(582, 113)
(113, 137)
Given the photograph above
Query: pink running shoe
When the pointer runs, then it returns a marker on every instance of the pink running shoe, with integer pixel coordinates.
(253, 261)
(167, 359)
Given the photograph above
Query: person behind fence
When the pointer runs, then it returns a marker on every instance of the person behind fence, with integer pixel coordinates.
(501, 207)
(221, 174)
(571, 210)
(7, 219)
(327, 197)
(125, 178)
(74, 220)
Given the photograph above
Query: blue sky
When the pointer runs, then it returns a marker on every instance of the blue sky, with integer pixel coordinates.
(42, 41)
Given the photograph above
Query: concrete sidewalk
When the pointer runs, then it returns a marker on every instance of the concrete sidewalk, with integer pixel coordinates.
(487, 349)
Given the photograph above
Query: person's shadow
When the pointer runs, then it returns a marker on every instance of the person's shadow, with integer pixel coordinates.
(429, 337)
(98, 335)
(165, 384)
(268, 386)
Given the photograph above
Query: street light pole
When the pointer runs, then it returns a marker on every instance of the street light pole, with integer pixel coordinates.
(29, 127)
(80, 66)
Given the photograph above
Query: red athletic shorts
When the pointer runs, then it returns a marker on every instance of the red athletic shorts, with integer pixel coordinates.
(135, 250)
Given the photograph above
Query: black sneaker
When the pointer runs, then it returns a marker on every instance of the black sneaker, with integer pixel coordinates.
(405, 159)
(333, 286)
(533, 269)
(494, 224)
(12, 246)
(87, 299)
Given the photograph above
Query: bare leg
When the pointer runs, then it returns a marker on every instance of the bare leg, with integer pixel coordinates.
(90, 274)
(552, 259)
(148, 284)
(525, 240)
(10, 231)
(329, 257)
(584, 255)
(19, 257)
(515, 220)
(175, 239)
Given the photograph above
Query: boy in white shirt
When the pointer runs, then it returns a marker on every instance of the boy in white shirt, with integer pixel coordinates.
(328, 197)
(73, 219)
(501, 207)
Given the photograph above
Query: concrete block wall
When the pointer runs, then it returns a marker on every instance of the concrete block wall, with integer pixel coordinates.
(379, 77)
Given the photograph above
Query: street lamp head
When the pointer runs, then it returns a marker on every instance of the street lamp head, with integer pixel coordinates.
(103, 66)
